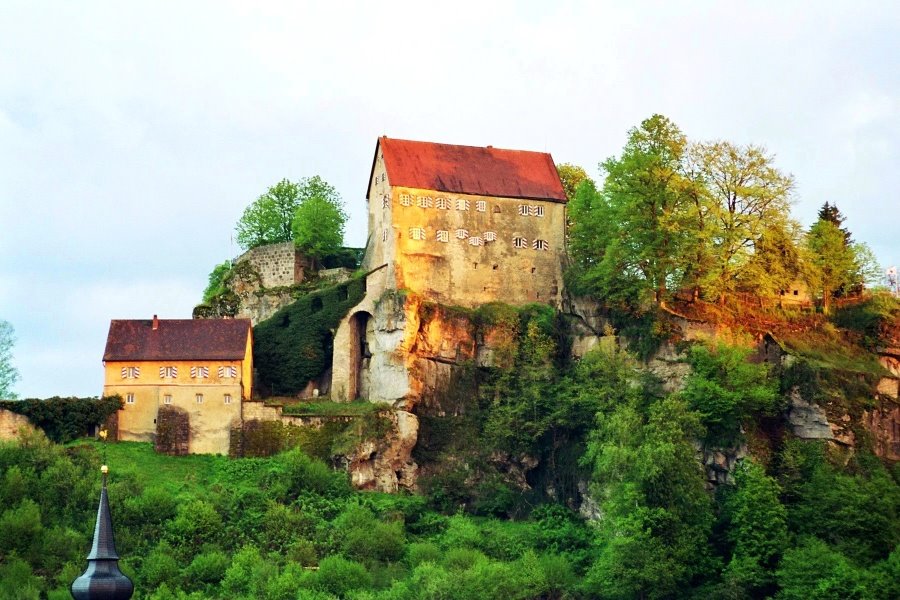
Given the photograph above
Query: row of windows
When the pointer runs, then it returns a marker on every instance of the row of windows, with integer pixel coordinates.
(170, 372)
(442, 203)
(443, 235)
(167, 399)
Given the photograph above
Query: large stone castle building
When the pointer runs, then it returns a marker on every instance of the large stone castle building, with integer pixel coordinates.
(455, 225)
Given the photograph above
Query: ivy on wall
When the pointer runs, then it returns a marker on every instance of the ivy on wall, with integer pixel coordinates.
(294, 346)
(64, 419)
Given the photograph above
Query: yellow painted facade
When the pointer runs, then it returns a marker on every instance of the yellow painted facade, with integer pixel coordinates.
(212, 398)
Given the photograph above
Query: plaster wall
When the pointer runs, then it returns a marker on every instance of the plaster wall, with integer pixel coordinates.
(211, 420)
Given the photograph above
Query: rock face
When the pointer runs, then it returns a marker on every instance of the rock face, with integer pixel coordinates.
(12, 423)
(719, 463)
(807, 420)
(386, 465)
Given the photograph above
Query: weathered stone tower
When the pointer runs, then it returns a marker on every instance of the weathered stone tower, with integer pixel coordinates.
(454, 225)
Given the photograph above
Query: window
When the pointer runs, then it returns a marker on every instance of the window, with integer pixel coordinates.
(165, 372)
(462, 234)
(480, 205)
(167, 399)
(416, 233)
(520, 242)
(462, 204)
(424, 202)
(384, 235)
(540, 245)
(476, 241)
(385, 201)
(443, 235)
(227, 398)
(442, 203)
(131, 372)
(199, 398)
(228, 371)
(496, 208)
(383, 176)
(405, 199)
(536, 211)
(523, 210)
(490, 236)
(129, 398)
(199, 372)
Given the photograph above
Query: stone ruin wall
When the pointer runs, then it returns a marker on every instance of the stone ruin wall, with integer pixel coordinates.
(277, 264)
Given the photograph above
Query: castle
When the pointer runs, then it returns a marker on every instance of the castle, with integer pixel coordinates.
(452, 225)
(456, 225)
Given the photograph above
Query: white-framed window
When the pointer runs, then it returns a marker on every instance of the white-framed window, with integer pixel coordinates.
(536, 211)
(481, 205)
(424, 202)
(442, 203)
(199, 398)
(540, 245)
(131, 372)
(166, 372)
(490, 236)
(385, 201)
(523, 210)
(520, 242)
(227, 398)
(228, 371)
(383, 175)
(443, 235)
(167, 399)
(384, 235)
(405, 200)
(199, 372)
(462, 204)
(462, 234)
(476, 241)
(129, 398)
(416, 233)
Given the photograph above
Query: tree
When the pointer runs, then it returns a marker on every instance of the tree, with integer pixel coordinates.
(217, 279)
(571, 177)
(749, 197)
(268, 219)
(318, 225)
(831, 213)
(9, 375)
(657, 516)
(641, 227)
(777, 260)
(833, 263)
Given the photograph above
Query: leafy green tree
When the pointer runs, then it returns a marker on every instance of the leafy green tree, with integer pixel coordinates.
(217, 278)
(657, 514)
(757, 528)
(571, 177)
(268, 218)
(318, 222)
(725, 388)
(814, 571)
(641, 227)
(776, 262)
(833, 264)
(749, 197)
(9, 375)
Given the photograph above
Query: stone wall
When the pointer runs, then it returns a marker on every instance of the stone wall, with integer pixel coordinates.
(11, 423)
(277, 264)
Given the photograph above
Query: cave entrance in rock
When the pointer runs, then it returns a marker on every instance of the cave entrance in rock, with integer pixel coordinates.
(361, 336)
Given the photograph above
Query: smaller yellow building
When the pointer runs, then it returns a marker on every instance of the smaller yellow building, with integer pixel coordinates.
(200, 367)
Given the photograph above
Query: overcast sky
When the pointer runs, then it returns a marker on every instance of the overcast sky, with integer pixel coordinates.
(132, 135)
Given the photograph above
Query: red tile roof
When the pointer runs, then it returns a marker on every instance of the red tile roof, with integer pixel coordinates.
(177, 339)
(470, 170)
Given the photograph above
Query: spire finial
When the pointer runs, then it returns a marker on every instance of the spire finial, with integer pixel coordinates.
(102, 579)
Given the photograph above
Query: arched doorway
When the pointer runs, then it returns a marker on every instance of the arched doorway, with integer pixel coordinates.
(361, 336)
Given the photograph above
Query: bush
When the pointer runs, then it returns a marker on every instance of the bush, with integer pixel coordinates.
(64, 419)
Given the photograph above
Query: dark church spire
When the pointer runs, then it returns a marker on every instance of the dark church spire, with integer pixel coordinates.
(102, 580)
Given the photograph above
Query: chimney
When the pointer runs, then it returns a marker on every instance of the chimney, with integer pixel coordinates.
(155, 323)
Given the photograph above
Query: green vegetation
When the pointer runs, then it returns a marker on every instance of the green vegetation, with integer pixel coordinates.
(9, 375)
(65, 419)
(217, 279)
(295, 345)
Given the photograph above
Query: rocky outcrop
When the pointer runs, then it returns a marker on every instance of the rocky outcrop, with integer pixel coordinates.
(386, 464)
(11, 424)
(670, 367)
(719, 463)
(807, 419)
